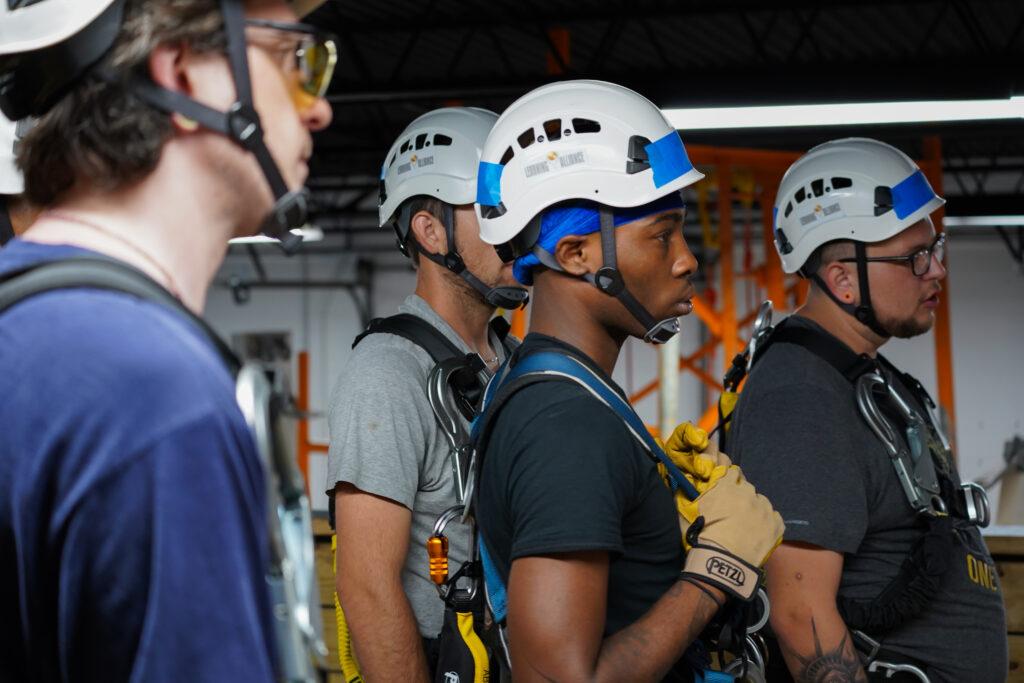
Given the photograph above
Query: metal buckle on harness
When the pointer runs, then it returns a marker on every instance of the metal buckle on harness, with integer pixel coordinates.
(976, 506)
(750, 667)
(891, 670)
(442, 402)
(437, 556)
(869, 647)
(914, 466)
(762, 330)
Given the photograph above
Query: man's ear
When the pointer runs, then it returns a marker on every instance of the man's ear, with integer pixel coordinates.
(575, 254)
(168, 68)
(429, 233)
(841, 281)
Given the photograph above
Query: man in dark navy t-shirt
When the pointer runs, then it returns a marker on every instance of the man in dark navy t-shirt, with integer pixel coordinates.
(133, 506)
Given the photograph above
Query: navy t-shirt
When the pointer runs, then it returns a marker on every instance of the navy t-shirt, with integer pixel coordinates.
(132, 502)
(563, 474)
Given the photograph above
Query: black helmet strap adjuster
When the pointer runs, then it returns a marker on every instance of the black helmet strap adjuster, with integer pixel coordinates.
(509, 298)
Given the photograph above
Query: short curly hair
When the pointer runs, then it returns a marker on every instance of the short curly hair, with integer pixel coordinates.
(101, 131)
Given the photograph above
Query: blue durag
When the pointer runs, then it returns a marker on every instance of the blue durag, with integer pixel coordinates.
(581, 217)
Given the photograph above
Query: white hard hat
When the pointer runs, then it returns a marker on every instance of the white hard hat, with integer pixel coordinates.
(10, 176)
(576, 140)
(437, 155)
(855, 188)
(25, 27)
(88, 28)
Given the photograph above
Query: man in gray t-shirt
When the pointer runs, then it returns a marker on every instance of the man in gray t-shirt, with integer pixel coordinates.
(389, 470)
(800, 438)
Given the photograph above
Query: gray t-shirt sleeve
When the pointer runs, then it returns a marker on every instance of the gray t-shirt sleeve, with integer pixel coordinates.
(793, 444)
(381, 424)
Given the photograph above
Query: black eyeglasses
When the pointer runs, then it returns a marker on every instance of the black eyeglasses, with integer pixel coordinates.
(315, 56)
(920, 262)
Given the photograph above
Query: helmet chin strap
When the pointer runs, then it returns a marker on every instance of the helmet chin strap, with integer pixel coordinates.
(508, 298)
(864, 312)
(240, 123)
(609, 280)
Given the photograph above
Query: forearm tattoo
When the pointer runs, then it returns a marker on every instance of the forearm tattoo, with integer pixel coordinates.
(837, 665)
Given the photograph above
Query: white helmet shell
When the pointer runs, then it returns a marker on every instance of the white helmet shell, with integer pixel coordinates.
(437, 155)
(41, 24)
(10, 176)
(854, 188)
(579, 139)
(46, 23)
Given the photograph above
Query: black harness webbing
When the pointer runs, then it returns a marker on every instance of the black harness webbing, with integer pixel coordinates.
(97, 272)
(921, 573)
(466, 383)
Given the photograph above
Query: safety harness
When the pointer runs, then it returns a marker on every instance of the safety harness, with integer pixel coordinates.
(455, 388)
(733, 628)
(291, 575)
(921, 456)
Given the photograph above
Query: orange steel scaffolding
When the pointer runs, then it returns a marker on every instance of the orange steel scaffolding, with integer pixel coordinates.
(721, 317)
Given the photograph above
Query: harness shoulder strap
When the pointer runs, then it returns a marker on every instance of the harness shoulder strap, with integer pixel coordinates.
(847, 363)
(97, 272)
(418, 331)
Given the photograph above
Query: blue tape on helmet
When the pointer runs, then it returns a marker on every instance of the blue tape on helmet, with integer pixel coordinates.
(488, 184)
(910, 194)
(668, 159)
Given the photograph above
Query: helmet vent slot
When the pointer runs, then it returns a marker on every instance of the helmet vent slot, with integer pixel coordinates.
(841, 183)
(586, 126)
(442, 140)
(526, 138)
(507, 156)
(553, 129)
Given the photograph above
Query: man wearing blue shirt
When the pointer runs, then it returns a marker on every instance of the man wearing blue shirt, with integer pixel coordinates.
(133, 532)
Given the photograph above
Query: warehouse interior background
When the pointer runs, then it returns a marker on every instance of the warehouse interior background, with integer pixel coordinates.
(400, 59)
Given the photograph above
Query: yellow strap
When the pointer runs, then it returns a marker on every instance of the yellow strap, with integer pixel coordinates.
(346, 653)
(727, 404)
(481, 664)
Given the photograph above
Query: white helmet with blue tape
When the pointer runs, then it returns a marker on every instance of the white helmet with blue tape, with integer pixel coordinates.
(855, 189)
(579, 140)
(576, 140)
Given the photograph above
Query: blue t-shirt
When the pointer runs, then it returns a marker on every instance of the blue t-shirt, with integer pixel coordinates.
(132, 502)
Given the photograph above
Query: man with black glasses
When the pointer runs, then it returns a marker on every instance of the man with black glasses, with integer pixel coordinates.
(883, 571)
(133, 502)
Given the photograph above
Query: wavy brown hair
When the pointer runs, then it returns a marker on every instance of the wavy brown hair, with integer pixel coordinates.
(100, 132)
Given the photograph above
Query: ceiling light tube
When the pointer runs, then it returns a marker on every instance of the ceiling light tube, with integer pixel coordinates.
(864, 113)
(310, 233)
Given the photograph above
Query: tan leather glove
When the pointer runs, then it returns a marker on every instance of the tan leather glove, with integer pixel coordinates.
(730, 531)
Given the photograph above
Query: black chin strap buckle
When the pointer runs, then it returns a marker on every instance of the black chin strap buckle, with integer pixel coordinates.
(609, 280)
(244, 125)
(663, 331)
(509, 298)
(453, 262)
(289, 213)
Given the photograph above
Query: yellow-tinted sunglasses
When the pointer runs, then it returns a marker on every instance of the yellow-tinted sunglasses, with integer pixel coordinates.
(315, 54)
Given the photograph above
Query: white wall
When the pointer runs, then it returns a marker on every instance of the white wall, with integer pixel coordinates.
(987, 314)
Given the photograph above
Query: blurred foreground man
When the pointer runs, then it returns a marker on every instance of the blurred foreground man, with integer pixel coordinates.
(133, 529)
(883, 574)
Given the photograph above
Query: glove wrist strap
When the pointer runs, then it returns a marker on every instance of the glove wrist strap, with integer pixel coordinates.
(723, 570)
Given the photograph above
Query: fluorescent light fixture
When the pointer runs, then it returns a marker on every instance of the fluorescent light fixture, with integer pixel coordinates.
(982, 221)
(788, 116)
(310, 233)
